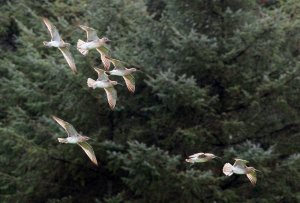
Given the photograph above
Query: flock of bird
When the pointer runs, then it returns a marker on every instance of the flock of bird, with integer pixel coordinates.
(239, 166)
(103, 81)
(94, 42)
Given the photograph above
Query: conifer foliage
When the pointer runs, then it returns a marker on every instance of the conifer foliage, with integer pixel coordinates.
(218, 76)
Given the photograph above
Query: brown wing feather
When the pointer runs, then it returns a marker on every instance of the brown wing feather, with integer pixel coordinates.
(91, 33)
(111, 94)
(252, 177)
(52, 29)
(69, 58)
(67, 126)
(89, 151)
(130, 82)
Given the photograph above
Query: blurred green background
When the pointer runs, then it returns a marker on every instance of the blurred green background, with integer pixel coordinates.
(219, 76)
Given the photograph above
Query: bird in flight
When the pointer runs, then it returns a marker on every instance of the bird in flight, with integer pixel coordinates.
(126, 73)
(201, 157)
(94, 42)
(56, 41)
(240, 167)
(75, 138)
(105, 83)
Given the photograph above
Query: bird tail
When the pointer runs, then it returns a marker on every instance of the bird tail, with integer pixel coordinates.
(91, 82)
(227, 169)
(80, 49)
(62, 140)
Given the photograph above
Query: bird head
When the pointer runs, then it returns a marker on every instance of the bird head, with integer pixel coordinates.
(67, 45)
(116, 83)
(214, 156)
(132, 69)
(251, 169)
(105, 40)
(84, 138)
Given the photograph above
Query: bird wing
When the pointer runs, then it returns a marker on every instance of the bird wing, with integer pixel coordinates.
(252, 177)
(209, 155)
(91, 33)
(196, 155)
(67, 126)
(130, 82)
(240, 162)
(101, 74)
(120, 65)
(52, 29)
(87, 148)
(69, 58)
(111, 94)
(104, 52)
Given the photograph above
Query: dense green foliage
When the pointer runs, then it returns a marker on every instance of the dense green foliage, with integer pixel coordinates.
(219, 76)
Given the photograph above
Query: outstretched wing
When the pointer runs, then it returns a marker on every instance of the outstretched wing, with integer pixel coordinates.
(87, 148)
(52, 29)
(91, 33)
(240, 162)
(111, 94)
(120, 65)
(69, 58)
(130, 82)
(67, 126)
(197, 155)
(104, 52)
(252, 177)
(101, 74)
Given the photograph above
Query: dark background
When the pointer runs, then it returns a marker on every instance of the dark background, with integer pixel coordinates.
(219, 76)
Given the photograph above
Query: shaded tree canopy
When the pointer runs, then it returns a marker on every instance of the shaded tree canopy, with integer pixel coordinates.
(218, 76)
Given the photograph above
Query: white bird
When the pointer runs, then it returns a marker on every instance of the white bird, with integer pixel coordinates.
(126, 73)
(200, 157)
(105, 83)
(239, 167)
(56, 41)
(94, 42)
(75, 138)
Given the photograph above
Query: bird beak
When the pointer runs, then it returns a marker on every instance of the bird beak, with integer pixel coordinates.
(217, 157)
(138, 69)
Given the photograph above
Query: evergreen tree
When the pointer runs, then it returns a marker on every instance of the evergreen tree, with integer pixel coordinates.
(217, 76)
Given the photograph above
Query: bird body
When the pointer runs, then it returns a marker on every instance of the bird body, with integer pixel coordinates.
(126, 73)
(57, 42)
(91, 45)
(100, 84)
(120, 72)
(105, 83)
(94, 42)
(200, 157)
(240, 167)
(75, 138)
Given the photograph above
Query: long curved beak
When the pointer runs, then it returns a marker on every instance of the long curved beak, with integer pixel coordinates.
(258, 170)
